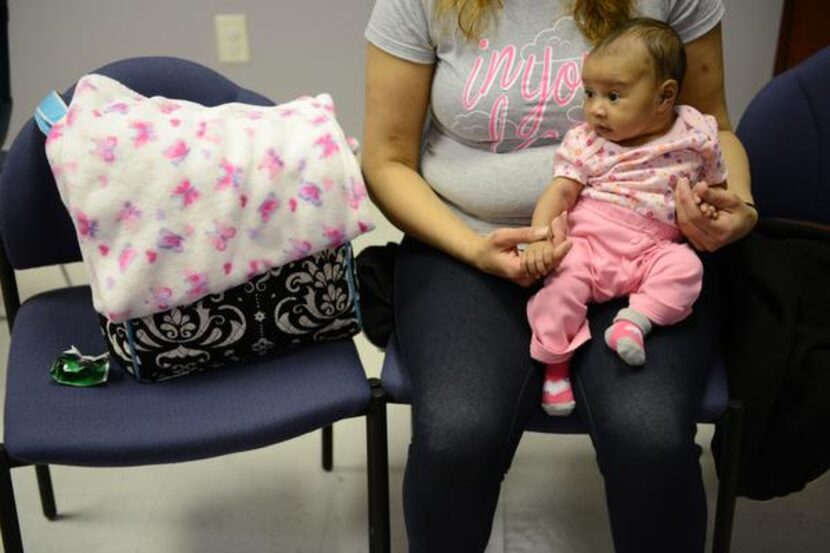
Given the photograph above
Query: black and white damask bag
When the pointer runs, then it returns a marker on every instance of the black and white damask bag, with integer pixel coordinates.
(310, 300)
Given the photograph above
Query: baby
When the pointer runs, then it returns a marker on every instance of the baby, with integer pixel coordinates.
(612, 196)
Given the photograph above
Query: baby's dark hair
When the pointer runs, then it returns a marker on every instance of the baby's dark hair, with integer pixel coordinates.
(663, 44)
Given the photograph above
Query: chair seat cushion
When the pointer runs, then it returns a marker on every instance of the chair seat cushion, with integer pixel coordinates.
(395, 382)
(126, 423)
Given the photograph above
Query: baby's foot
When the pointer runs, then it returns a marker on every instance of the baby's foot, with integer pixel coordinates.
(557, 394)
(627, 334)
(626, 339)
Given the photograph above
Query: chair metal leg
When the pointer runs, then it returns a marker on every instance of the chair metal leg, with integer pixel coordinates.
(732, 422)
(377, 457)
(47, 496)
(328, 448)
(9, 524)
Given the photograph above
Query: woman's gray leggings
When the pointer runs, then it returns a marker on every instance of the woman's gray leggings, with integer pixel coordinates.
(465, 342)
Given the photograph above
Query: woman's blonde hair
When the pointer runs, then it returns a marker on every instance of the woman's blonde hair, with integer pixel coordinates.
(595, 18)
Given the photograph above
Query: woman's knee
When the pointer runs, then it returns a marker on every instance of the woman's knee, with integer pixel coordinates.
(461, 444)
(649, 446)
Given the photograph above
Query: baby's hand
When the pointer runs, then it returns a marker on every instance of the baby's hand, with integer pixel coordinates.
(708, 209)
(543, 256)
(539, 258)
(558, 229)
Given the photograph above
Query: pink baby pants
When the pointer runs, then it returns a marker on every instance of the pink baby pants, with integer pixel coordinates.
(615, 252)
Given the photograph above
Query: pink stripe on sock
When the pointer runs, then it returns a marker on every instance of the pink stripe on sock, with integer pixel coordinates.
(625, 329)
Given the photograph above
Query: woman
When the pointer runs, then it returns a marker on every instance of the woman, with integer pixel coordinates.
(501, 81)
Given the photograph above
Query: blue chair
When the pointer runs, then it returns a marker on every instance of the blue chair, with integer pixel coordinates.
(786, 132)
(124, 423)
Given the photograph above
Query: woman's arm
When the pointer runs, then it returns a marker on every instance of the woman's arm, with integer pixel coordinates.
(703, 88)
(397, 99)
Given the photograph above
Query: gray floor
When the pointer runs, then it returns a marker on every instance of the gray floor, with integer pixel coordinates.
(278, 498)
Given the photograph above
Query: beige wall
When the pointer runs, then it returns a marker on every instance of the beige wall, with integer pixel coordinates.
(297, 46)
(750, 36)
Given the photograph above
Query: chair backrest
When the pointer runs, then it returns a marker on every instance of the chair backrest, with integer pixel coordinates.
(35, 227)
(786, 132)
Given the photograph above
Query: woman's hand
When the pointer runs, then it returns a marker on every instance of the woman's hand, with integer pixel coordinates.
(497, 253)
(734, 218)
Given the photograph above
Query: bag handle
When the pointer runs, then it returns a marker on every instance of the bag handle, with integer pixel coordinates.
(50, 110)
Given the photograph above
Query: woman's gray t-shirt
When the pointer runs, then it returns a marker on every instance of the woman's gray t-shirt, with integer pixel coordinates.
(501, 104)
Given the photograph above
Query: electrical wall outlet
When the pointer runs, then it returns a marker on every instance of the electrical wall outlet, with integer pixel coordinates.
(232, 38)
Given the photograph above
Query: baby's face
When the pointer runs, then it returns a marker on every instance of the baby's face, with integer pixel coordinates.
(622, 95)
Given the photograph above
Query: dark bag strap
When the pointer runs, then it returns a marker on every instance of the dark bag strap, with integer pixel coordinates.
(376, 280)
